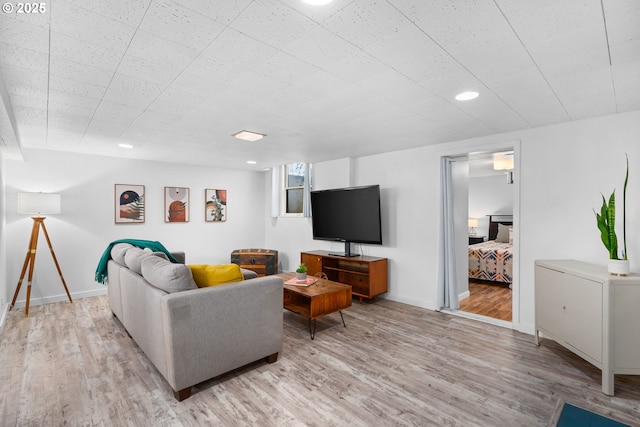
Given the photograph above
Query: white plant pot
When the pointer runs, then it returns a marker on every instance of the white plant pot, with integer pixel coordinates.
(618, 267)
(301, 277)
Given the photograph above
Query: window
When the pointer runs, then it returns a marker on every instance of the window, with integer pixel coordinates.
(293, 190)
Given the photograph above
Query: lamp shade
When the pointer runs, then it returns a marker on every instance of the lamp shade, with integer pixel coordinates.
(39, 203)
(473, 222)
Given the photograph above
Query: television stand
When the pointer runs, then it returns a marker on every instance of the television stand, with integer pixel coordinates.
(368, 276)
(347, 251)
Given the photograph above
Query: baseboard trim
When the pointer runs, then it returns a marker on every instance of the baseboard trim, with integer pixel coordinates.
(485, 319)
(61, 297)
(429, 305)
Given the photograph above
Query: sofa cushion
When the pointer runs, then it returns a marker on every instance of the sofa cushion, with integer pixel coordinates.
(212, 275)
(134, 256)
(118, 251)
(248, 274)
(165, 275)
(133, 259)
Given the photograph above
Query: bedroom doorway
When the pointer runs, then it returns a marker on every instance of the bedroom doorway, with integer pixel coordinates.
(490, 210)
(485, 198)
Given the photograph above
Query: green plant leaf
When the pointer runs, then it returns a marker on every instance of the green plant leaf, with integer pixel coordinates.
(611, 224)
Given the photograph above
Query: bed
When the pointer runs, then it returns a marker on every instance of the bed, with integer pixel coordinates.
(493, 260)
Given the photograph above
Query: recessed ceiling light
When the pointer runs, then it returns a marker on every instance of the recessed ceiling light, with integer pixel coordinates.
(125, 145)
(317, 2)
(466, 96)
(248, 135)
(251, 162)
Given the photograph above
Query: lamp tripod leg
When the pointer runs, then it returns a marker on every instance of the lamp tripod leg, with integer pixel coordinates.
(27, 259)
(55, 260)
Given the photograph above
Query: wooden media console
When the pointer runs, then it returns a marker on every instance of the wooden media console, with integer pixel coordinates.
(368, 276)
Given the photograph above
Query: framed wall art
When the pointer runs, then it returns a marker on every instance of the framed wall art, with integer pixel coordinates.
(129, 204)
(176, 204)
(215, 205)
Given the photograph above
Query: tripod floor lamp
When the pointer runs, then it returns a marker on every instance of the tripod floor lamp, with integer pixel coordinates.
(37, 204)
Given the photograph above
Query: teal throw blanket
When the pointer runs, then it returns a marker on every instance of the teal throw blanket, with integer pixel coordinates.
(101, 271)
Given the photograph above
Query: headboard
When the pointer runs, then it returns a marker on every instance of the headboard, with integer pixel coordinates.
(494, 220)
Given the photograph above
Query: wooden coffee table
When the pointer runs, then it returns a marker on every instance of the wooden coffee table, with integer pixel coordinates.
(317, 300)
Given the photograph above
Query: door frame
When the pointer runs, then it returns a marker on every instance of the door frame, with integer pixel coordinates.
(497, 147)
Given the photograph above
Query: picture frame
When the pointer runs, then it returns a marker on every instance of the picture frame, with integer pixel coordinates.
(176, 204)
(129, 204)
(215, 205)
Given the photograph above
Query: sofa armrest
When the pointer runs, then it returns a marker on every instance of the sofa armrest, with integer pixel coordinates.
(210, 331)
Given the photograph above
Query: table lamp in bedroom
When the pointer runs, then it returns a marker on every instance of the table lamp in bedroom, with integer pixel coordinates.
(473, 223)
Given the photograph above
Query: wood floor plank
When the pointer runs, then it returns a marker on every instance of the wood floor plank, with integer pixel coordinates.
(490, 299)
(393, 364)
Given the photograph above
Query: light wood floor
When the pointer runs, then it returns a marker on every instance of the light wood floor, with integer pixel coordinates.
(393, 364)
(488, 299)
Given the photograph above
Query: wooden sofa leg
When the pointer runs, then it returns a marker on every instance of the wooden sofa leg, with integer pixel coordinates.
(183, 394)
(271, 358)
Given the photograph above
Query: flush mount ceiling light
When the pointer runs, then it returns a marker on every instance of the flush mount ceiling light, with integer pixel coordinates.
(503, 161)
(466, 96)
(125, 145)
(251, 162)
(317, 2)
(248, 135)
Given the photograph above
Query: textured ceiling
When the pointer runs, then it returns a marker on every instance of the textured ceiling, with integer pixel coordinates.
(176, 78)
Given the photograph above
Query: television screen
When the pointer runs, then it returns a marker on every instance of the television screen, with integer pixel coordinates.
(347, 215)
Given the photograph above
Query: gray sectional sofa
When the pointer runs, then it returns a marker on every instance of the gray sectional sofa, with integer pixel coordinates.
(193, 334)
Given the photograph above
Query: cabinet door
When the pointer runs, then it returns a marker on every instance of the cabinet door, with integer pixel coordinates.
(313, 263)
(583, 324)
(550, 300)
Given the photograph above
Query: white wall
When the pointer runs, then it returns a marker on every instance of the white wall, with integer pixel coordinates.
(489, 195)
(3, 247)
(80, 234)
(562, 171)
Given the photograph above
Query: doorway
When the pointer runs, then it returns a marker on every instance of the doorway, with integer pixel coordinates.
(484, 196)
(490, 192)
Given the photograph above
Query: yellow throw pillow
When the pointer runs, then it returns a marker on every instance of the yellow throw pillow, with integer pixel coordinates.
(213, 275)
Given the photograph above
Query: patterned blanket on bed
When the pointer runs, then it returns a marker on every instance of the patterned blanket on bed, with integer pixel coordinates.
(491, 261)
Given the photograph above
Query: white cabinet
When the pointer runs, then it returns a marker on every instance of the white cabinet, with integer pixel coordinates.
(593, 314)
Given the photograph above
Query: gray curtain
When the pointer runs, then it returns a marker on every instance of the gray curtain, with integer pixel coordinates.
(306, 198)
(275, 192)
(447, 277)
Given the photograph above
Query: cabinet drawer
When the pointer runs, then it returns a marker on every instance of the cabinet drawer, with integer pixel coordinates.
(359, 283)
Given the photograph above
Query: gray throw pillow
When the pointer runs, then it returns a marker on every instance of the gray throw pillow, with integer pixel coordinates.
(118, 251)
(503, 234)
(133, 259)
(248, 274)
(166, 275)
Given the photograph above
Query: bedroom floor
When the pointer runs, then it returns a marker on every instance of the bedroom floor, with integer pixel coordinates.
(489, 299)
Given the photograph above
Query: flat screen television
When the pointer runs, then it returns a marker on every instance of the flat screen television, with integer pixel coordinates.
(349, 215)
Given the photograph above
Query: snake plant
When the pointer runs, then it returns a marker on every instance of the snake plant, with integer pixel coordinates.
(606, 220)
